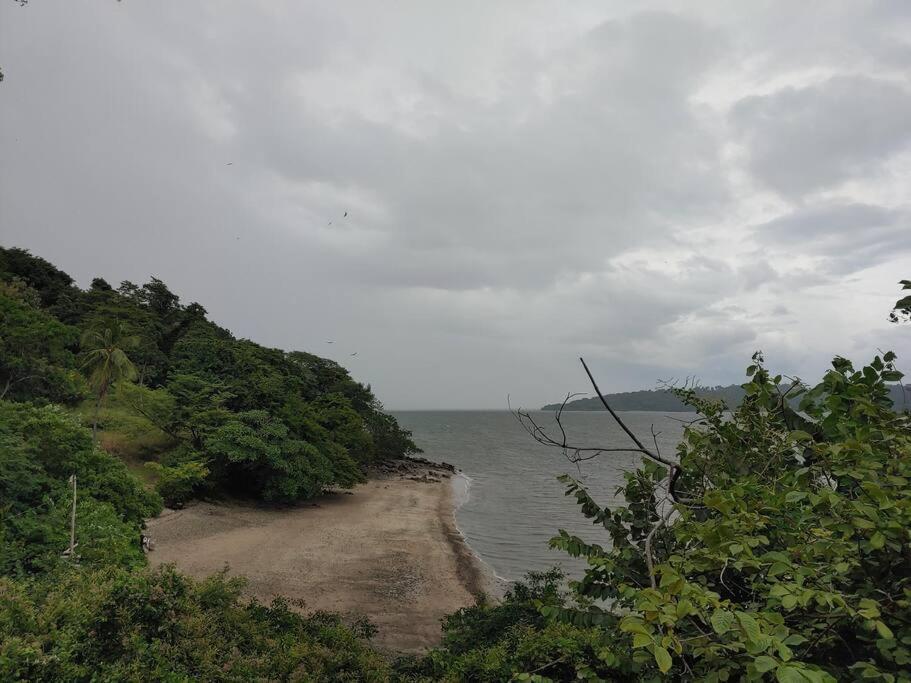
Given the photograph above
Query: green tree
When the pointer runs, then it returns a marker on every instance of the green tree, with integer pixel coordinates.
(35, 361)
(40, 447)
(48, 281)
(777, 545)
(255, 454)
(105, 361)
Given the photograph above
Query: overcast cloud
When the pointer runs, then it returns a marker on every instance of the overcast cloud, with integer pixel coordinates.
(662, 187)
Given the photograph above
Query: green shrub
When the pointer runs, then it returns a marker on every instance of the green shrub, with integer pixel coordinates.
(179, 483)
(778, 548)
(785, 552)
(115, 625)
(40, 447)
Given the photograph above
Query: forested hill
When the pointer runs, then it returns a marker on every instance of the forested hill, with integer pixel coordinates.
(228, 414)
(665, 400)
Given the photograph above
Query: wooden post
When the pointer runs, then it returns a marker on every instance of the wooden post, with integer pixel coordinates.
(73, 521)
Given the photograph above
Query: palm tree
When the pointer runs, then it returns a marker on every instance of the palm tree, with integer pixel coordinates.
(105, 362)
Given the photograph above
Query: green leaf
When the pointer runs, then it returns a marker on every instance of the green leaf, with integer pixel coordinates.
(883, 630)
(800, 435)
(633, 625)
(684, 607)
(722, 621)
(662, 659)
(789, 674)
(877, 541)
(641, 640)
(764, 663)
(750, 626)
(794, 496)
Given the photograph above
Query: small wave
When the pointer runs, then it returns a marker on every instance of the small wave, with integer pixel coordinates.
(461, 490)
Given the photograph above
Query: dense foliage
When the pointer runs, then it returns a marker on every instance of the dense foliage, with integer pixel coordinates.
(241, 418)
(117, 625)
(41, 448)
(230, 416)
(786, 551)
(490, 642)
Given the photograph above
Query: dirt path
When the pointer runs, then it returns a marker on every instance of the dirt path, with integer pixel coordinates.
(389, 550)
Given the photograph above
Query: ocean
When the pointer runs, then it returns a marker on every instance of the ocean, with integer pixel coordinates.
(511, 503)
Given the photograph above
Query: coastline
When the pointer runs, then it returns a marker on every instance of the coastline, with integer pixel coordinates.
(389, 550)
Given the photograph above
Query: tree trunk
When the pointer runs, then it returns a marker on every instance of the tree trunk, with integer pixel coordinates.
(95, 420)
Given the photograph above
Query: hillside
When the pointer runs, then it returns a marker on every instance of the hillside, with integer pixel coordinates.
(665, 400)
(181, 399)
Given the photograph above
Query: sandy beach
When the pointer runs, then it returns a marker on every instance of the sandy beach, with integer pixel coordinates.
(388, 550)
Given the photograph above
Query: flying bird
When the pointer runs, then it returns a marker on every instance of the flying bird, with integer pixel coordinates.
(346, 215)
(354, 354)
(230, 163)
(330, 342)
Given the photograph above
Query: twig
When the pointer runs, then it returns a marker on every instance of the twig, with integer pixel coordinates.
(648, 545)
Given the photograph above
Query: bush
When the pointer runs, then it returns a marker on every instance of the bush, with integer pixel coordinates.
(114, 624)
(785, 550)
(40, 447)
(777, 548)
(179, 483)
(257, 455)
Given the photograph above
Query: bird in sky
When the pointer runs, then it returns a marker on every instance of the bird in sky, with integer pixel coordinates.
(330, 342)
(230, 163)
(346, 215)
(354, 354)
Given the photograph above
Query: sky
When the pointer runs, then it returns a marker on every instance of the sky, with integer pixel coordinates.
(660, 187)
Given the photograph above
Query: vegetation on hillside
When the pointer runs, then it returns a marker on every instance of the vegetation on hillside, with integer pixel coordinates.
(238, 417)
(172, 396)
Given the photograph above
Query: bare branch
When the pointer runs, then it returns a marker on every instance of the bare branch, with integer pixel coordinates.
(640, 446)
(649, 562)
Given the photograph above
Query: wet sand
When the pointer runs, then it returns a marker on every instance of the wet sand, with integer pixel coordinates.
(388, 550)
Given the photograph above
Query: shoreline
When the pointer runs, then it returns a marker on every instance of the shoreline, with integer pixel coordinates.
(390, 550)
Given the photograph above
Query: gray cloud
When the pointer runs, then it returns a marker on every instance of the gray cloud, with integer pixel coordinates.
(524, 181)
(805, 139)
(849, 236)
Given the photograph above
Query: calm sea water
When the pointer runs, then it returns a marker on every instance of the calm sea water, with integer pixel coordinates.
(514, 502)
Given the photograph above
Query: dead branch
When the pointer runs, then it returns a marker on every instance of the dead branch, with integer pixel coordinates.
(649, 562)
(673, 468)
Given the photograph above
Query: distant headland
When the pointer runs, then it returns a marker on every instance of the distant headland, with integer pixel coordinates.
(666, 400)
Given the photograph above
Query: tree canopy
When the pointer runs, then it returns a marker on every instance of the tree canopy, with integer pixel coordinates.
(258, 421)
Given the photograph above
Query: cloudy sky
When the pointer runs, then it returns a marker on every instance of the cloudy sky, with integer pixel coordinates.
(661, 187)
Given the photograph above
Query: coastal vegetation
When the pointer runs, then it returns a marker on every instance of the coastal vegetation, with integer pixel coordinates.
(116, 401)
(226, 415)
(773, 545)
